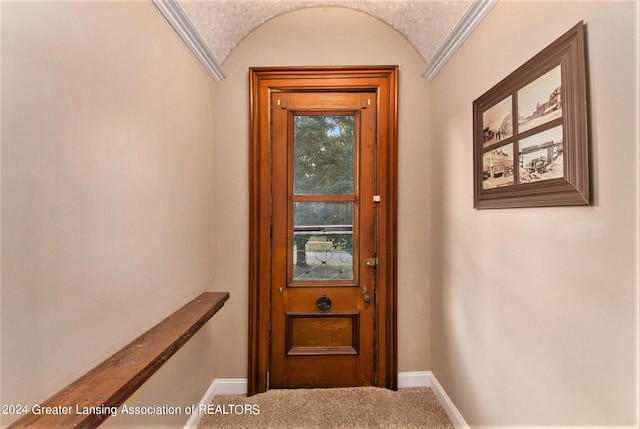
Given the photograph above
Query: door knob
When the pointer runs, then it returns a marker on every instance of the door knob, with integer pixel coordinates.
(366, 298)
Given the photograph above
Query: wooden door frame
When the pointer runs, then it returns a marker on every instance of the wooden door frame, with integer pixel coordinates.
(383, 81)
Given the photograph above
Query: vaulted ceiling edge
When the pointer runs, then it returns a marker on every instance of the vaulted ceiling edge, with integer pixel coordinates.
(469, 21)
(183, 26)
(212, 28)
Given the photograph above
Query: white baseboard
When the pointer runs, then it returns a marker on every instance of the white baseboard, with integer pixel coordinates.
(427, 379)
(223, 386)
(238, 386)
(229, 386)
(414, 379)
(445, 401)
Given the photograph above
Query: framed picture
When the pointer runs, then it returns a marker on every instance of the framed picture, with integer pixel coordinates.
(530, 132)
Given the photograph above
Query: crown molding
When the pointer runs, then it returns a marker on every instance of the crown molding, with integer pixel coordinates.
(470, 20)
(184, 27)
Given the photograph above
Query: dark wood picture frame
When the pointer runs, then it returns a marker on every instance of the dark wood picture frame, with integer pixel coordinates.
(530, 132)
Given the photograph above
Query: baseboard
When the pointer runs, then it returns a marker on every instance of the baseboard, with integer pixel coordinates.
(427, 379)
(229, 386)
(414, 379)
(223, 386)
(451, 410)
(238, 386)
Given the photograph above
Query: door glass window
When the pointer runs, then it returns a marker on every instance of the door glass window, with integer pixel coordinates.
(323, 197)
(323, 241)
(323, 154)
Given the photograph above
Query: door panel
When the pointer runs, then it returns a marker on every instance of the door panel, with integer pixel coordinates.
(324, 220)
(313, 334)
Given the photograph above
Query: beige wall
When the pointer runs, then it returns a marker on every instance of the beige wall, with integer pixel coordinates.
(321, 36)
(534, 311)
(107, 186)
(116, 143)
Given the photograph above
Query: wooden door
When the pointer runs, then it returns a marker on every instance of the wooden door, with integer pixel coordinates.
(323, 188)
(322, 298)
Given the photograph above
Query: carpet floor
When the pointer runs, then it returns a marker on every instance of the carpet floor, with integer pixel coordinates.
(352, 408)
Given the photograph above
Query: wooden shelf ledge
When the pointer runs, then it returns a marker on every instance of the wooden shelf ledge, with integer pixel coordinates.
(114, 380)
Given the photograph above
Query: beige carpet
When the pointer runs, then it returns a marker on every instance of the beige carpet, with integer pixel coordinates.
(353, 408)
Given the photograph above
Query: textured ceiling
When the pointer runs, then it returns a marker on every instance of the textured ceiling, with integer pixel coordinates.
(224, 23)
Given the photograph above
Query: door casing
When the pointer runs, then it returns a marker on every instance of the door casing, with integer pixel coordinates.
(264, 81)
